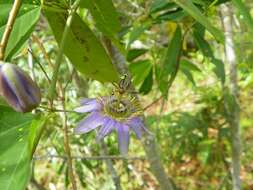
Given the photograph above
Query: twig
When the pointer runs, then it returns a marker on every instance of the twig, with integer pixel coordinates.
(9, 26)
(67, 148)
(66, 142)
(41, 67)
(154, 102)
(104, 157)
(60, 54)
(52, 92)
(35, 183)
(43, 50)
(56, 110)
(69, 80)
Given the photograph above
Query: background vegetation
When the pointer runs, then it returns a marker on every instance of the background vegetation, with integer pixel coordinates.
(177, 52)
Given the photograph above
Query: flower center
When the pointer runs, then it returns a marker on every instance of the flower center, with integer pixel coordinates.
(121, 108)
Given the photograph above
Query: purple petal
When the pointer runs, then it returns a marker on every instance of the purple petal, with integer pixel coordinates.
(137, 125)
(89, 106)
(91, 122)
(8, 92)
(106, 129)
(86, 100)
(18, 89)
(123, 138)
(31, 89)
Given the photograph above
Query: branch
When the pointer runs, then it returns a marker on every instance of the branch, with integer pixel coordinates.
(149, 142)
(9, 26)
(109, 164)
(233, 114)
(165, 182)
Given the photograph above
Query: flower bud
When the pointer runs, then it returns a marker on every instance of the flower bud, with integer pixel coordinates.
(18, 89)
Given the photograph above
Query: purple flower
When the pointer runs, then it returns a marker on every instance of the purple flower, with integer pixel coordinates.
(18, 89)
(112, 113)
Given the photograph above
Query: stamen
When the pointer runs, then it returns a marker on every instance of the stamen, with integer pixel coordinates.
(121, 107)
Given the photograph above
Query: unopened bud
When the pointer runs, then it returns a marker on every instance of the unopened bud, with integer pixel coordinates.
(18, 89)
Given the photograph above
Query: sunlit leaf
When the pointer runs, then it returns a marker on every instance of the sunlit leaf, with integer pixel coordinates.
(23, 26)
(19, 135)
(82, 48)
(192, 10)
(140, 70)
(146, 86)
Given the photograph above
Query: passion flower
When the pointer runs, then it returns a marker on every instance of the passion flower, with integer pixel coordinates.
(18, 89)
(116, 112)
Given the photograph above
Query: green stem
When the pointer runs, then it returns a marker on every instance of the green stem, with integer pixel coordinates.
(61, 49)
(9, 27)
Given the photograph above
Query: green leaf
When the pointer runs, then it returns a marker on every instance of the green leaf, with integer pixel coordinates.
(136, 32)
(140, 70)
(146, 86)
(175, 16)
(187, 67)
(135, 53)
(18, 136)
(23, 26)
(186, 64)
(192, 10)
(245, 13)
(219, 69)
(188, 75)
(83, 49)
(105, 15)
(207, 51)
(106, 18)
(160, 5)
(170, 63)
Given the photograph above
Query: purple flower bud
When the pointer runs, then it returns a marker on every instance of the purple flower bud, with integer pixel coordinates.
(18, 89)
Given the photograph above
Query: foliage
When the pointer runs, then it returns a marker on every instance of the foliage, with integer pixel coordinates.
(174, 51)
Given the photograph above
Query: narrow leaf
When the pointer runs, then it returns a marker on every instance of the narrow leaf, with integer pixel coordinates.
(146, 86)
(23, 26)
(245, 13)
(140, 70)
(207, 51)
(135, 53)
(192, 10)
(170, 63)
